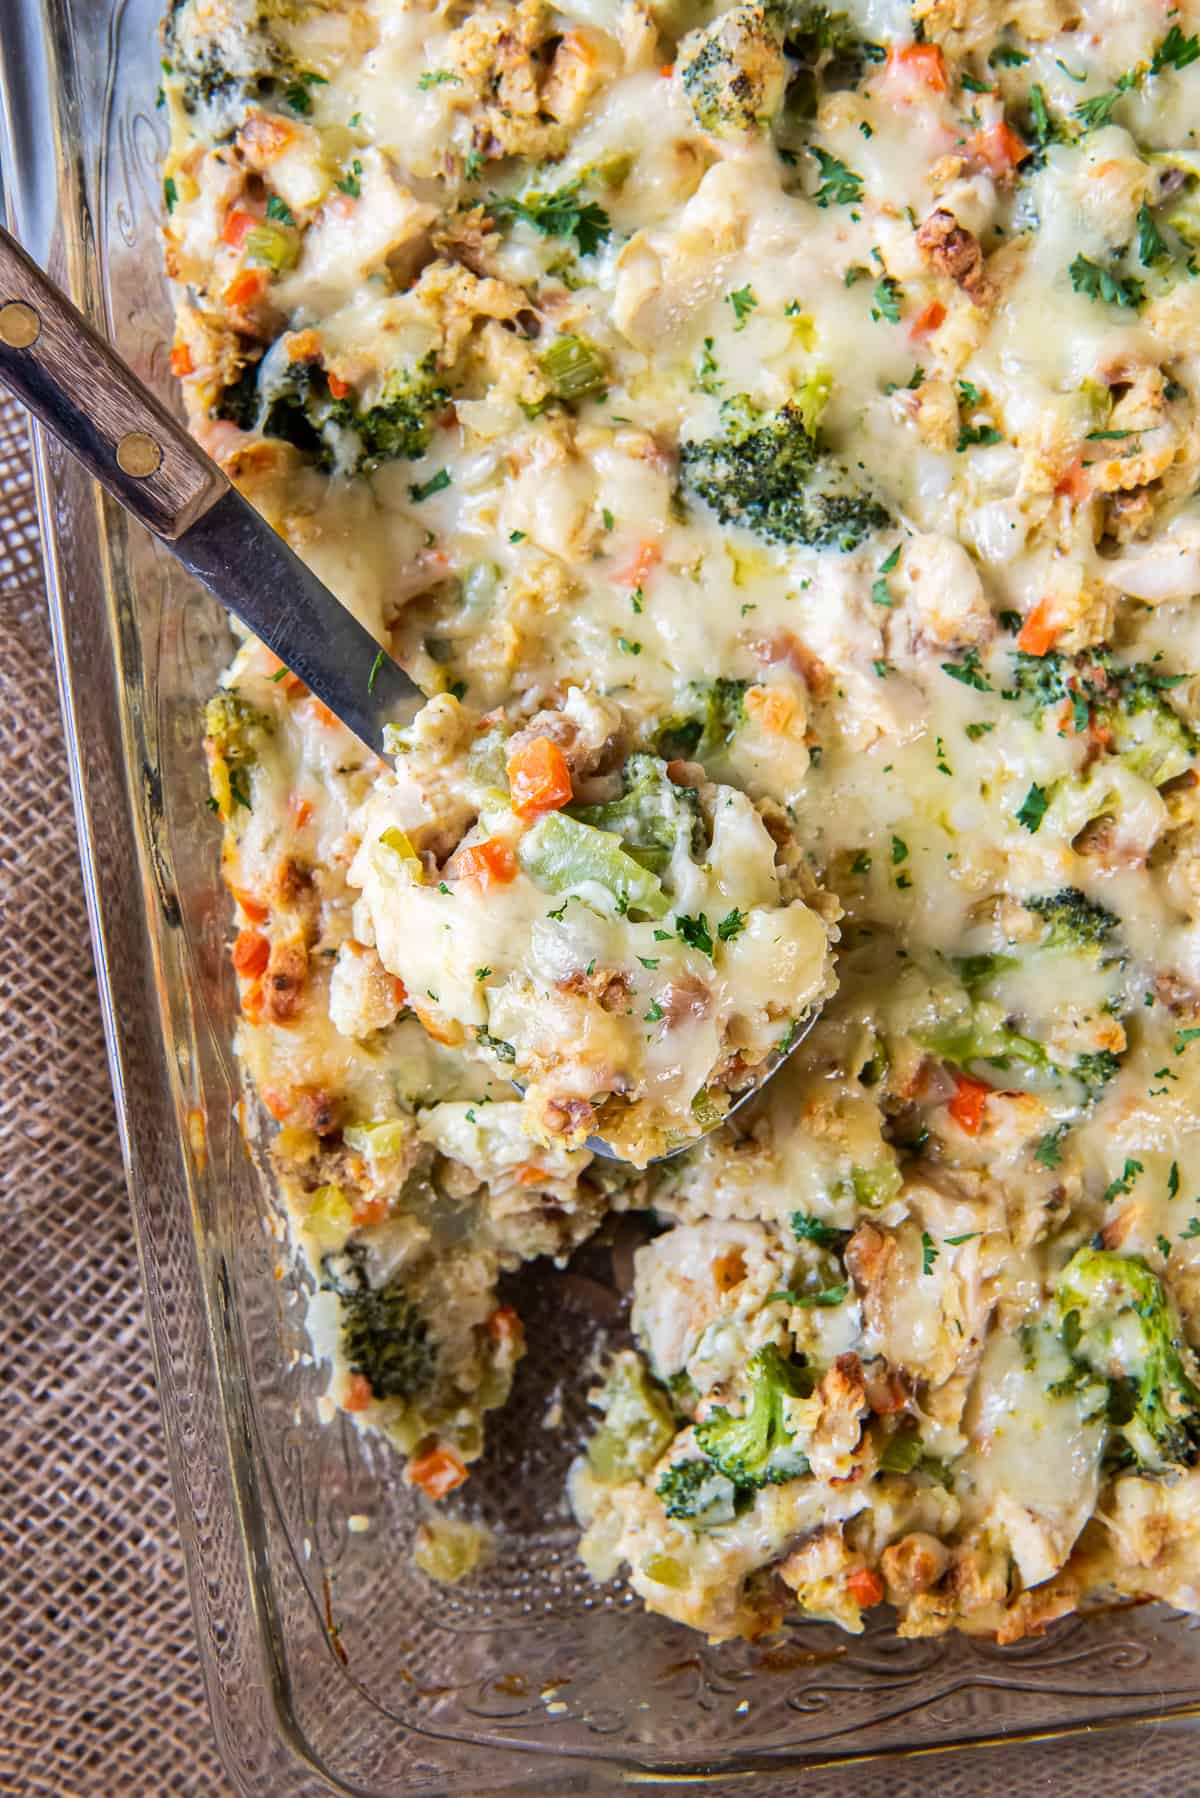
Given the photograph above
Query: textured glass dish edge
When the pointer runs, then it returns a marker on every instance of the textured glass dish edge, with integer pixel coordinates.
(55, 153)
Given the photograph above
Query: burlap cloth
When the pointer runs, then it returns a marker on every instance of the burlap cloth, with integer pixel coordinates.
(100, 1688)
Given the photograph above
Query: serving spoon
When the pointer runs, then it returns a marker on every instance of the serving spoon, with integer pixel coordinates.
(90, 399)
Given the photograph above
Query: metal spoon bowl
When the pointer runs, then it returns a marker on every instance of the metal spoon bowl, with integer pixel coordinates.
(55, 364)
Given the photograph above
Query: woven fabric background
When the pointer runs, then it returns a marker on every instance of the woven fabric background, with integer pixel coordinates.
(100, 1689)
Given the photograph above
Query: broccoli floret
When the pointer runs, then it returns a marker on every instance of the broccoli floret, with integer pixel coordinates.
(1129, 701)
(651, 816)
(709, 718)
(242, 68)
(699, 1493)
(769, 475)
(638, 1422)
(734, 73)
(757, 1448)
(824, 52)
(235, 732)
(299, 408)
(234, 727)
(1096, 1070)
(1118, 1321)
(239, 403)
(1148, 734)
(1076, 922)
(383, 1336)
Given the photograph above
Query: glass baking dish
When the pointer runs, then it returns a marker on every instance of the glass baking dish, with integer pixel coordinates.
(332, 1665)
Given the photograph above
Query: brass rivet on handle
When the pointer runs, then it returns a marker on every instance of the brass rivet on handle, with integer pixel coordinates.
(20, 325)
(138, 455)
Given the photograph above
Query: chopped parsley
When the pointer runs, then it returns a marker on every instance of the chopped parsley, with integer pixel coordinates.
(929, 1252)
(1098, 283)
(840, 185)
(695, 933)
(1033, 808)
(968, 672)
(1152, 246)
(812, 1229)
(1047, 1151)
(1125, 1180)
(558, 214)
(731, 925)
(438, 78)
(744, 303)
(436, 483)
(887, 297)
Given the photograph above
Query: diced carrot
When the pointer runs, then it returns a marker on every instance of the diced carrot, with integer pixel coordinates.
(1100, 734)
(967, 1105)
(252, 1007)
(928, 319)
(438, 1471)
(1075, 484)
(277, 1102)
(1066, 719)
(337, 387)
(865, 1587)
(399, 990)
(255, 910)
(322, 713)
(301, 810)
(647, 558)
(369, 1211)
(667, 70)
(1039, 633)
(772, 707)
(358, 1394)
(487, 864)
(923, 62)
(531, 1174)
(181, 361)
(238, 224)
(251, 952)
(539, 778)
(504, 1325)
(246, 289)
(999, 148)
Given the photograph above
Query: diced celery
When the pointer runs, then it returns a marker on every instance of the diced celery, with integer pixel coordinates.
(398, 843)
(446, 1550)
(381, 1140)
(638, 1423)
(273, 248)
(329, 1217)
(574, 368)
(479, 583)
(1183, 215)
(559, 854)
(665, 1570)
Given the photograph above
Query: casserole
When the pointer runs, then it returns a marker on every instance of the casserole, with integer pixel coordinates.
(331, 1665)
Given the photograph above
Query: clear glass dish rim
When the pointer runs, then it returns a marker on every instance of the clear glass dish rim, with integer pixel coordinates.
(52, 206)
